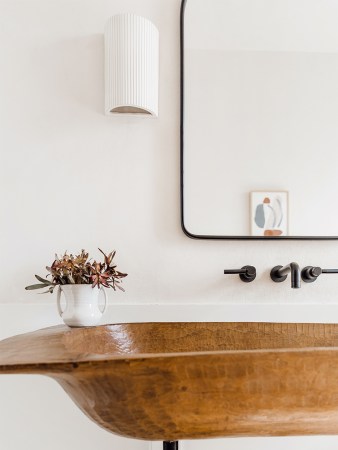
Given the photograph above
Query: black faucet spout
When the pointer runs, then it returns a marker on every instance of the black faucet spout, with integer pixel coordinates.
(280, 273)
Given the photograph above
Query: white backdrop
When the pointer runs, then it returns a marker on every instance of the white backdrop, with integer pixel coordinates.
(73, 178)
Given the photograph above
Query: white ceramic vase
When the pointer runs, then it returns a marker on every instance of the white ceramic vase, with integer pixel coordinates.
(82, 305)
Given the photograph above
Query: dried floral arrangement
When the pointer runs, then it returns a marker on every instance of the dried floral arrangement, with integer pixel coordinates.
(78, 269)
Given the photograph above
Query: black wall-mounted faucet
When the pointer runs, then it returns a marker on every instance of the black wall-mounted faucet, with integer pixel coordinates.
(280, 273)
(246, 273)
(311, 273)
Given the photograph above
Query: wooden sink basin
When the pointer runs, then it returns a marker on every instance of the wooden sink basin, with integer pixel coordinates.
(172, 381)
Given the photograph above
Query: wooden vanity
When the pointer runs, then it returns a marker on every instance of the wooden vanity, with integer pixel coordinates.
(172, 381)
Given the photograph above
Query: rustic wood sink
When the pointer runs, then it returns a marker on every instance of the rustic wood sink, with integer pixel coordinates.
(171, 381)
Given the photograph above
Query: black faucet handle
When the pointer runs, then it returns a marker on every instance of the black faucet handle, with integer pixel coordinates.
(246, 273)
(311, 273)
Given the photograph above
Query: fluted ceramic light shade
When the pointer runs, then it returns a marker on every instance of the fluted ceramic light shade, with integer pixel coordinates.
(131, 65)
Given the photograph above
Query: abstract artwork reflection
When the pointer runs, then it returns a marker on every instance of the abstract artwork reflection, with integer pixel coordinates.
(269, 213)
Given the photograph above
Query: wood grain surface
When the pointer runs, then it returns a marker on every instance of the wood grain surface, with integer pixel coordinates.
(173, 381)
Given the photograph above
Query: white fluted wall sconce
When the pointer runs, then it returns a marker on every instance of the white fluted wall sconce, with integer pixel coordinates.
(131, 65)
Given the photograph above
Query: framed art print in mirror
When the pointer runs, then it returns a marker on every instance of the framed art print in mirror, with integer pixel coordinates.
(269, 213)
(259, 119)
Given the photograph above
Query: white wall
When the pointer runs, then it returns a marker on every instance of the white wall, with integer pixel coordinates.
(72, 178)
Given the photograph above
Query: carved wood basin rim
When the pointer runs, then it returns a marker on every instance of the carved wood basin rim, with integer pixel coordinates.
(172, 381)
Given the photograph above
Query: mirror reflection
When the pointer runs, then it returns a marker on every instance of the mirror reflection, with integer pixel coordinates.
(260, 97)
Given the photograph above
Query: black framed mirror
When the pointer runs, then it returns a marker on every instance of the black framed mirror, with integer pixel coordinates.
(259, 119)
